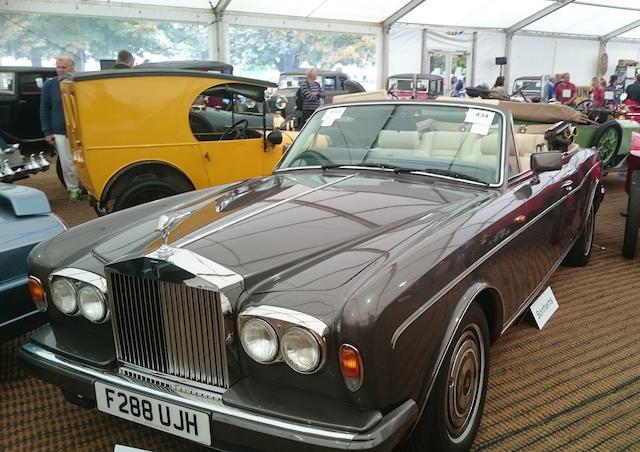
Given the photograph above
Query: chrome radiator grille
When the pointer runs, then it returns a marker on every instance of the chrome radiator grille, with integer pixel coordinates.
(169, 328)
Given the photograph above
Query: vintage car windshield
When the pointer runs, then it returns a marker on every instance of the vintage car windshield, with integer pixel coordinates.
(456, 141)
(528, 85)
(7, 83)
(294, 81)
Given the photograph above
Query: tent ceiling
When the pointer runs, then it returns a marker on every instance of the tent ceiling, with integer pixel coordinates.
(473, 13)
(578, 17)
(585, 20)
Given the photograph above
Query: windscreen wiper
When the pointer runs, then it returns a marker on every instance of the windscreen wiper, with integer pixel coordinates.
(452, 173)
(396, 169)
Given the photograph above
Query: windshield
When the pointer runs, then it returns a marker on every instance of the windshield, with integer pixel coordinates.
(528, 85)
(294, 81)
(401, 84)
(455, 141)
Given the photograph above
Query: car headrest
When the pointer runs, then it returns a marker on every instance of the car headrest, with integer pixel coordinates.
(398, 139)
(490, 145)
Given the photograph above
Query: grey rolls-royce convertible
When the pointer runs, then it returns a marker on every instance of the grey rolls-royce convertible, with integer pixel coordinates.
(347, 301)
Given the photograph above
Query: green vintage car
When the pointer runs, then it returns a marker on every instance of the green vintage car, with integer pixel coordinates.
(612, 137)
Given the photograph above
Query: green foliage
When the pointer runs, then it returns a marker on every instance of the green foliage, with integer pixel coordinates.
(40, 37)
(256, 48)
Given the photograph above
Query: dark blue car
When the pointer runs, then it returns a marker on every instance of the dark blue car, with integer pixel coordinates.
(25, 220)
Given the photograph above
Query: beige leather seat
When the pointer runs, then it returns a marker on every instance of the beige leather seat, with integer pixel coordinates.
(486, 150)
(398, 141)
(447, 144)
(527, 144)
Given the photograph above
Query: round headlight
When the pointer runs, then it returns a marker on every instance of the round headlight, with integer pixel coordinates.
(281, 102)
(63, 293)
(91, 303)
(300, 349)
(259, 340)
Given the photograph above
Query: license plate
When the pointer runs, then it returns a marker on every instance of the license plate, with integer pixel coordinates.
(145, 410)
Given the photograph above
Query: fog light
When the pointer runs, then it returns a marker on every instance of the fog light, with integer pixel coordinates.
(351, 367)
(91, 303)
(63, 293)
(37, 293)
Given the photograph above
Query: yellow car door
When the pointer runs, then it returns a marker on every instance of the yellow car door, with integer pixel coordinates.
(238, 159)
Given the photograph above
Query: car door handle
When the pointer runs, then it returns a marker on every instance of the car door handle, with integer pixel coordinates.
(206, 157)
(22, 102)
(567, 185)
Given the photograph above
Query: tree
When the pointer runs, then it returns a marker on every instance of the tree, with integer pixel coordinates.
(287, 49)
(38, 37)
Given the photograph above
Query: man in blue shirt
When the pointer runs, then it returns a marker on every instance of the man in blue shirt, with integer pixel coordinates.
(53, 126)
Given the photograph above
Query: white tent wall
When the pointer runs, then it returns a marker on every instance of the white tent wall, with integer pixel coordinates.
(405, 48)
(621, 51)
(538, 55)
(489, 45)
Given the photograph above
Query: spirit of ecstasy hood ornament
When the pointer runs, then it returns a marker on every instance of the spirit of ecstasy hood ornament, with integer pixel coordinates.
(164, 223)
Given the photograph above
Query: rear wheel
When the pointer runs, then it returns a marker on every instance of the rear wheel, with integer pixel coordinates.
(581, 251)
(451, 418)
(606, 140)
(149, 190)
(633, 218)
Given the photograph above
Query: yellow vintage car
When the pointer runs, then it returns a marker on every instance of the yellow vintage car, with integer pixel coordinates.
(139, 135)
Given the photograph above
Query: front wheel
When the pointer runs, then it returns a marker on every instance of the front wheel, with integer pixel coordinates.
(606, 139)
(451, 418)
(633, 218)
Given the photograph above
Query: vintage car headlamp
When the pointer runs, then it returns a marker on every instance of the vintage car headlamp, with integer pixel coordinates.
(63, 294)
(281, 102)
(91, 303)
(301, 350)
(259, 340)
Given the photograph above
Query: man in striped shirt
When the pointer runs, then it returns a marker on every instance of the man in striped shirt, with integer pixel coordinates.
(312, 95)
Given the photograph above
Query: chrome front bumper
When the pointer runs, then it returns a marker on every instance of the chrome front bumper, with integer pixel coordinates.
(230, 425)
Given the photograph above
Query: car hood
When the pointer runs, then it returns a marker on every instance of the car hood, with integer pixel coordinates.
(303, 230)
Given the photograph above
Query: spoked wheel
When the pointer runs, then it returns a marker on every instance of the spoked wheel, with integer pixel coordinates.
(607, 139)
(633, 218)
(451, 418)
(586, 106)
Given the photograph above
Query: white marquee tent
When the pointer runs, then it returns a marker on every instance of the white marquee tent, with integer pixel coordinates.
(536, 36)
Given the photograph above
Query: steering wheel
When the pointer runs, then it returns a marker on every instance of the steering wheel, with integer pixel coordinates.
(586, 107)
(311, 158)
(236, 131)
(521, 94)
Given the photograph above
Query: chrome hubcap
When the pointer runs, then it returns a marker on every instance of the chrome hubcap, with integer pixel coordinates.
(464, 382)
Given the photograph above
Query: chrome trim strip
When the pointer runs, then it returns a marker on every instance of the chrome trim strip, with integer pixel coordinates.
(212, 405)
(287, 315)
(212, 272)
(180, 243)
(81, 275)
(431, 301)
